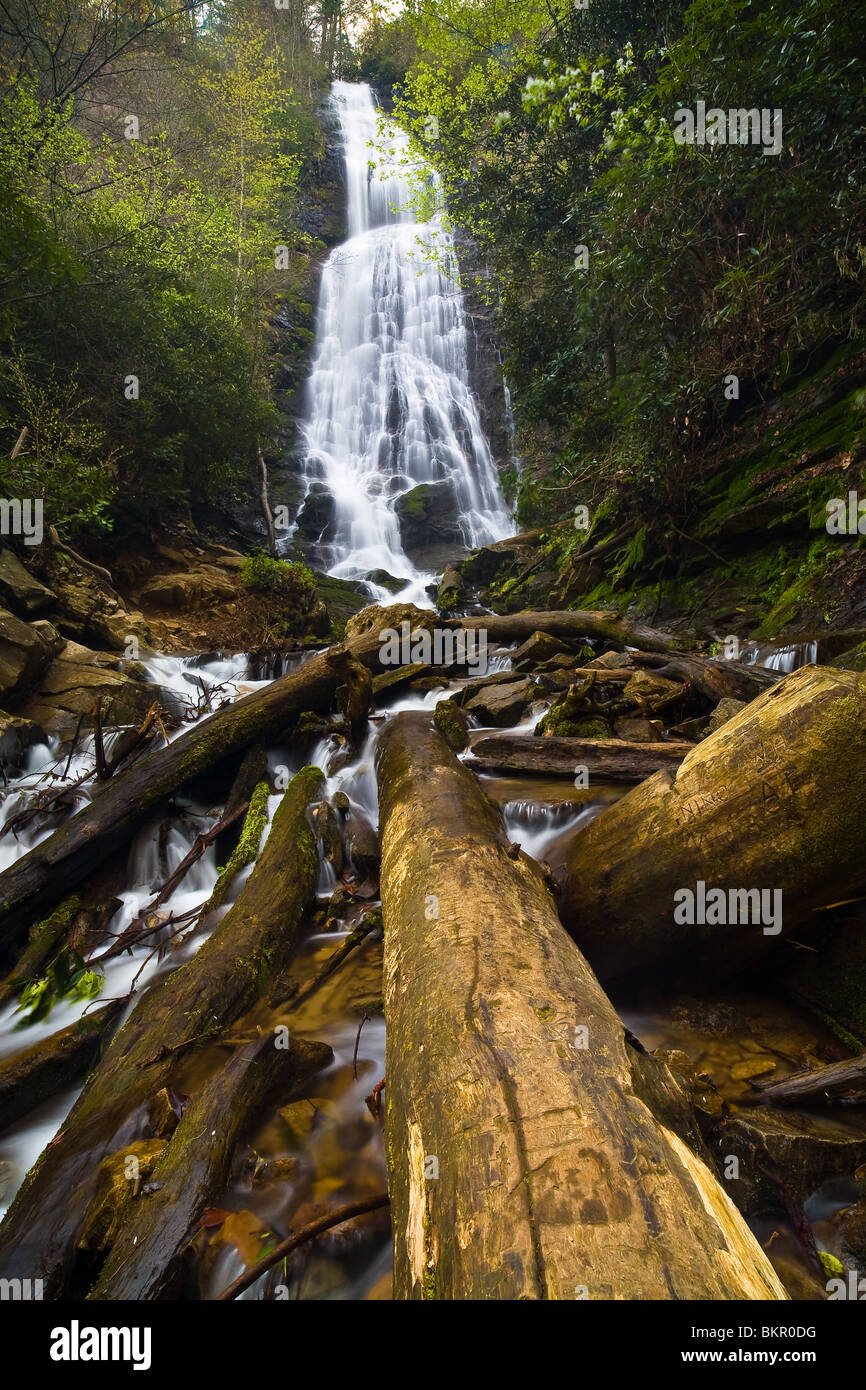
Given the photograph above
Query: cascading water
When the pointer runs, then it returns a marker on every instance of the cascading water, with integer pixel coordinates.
(389, 404)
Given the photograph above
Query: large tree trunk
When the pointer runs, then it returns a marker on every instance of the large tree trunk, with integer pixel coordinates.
(31, 886)
(607, 759)
(253, 942)
(773, 800)
(531, 1148)
(146, 1255)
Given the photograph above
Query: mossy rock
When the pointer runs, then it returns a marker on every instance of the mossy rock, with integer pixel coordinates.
(452, 723)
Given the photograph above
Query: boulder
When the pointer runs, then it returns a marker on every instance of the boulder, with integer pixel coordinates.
(25, 653)
(536, 649)
(69, 690)
(500, 704)
(385, 580)
(318, 511)
(24, 594)
(651, 693)
(17, 735)
(725, 710)
(201, 587)
(429, 514)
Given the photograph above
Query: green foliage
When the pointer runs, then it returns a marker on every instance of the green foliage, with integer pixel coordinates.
(68, 978)
(555, 130)
(289, 580)
(151, 258)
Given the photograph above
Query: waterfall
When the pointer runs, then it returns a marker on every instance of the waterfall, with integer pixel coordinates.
(388, 403)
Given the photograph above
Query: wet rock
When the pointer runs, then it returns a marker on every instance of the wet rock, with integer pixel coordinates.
(450, 590)
(453, 723)
(317, 514)
(500, 704)
(342, 598)
(428, 514)
(24, 593)
(690, 728)
(387, 581)
(650, 692)
(638, 730)
(25, 655)
(330, 834)
(774, 1147)
(725, 710)
(17, 736)
(536, 649)
(362, 843)
(70, 689)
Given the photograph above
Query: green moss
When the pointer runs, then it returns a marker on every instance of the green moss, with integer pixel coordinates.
(247, 847)
(451, 723)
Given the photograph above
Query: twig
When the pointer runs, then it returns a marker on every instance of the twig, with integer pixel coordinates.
(357, 1041)
(315, 1228)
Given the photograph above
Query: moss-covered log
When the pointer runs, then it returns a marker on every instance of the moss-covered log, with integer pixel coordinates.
(253, 942)
(606, 759)
(533, 1153)
(146, 1257)
(30, 1077)
(772, 801)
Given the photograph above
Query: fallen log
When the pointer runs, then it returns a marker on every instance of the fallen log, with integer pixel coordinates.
(842, 1081)
(765, 815)
(146, 1258)
(532, 1150)
(716, 680)
(32, 885)
(252, 944)
(516, 627)
(30, 1077)
(611, 759)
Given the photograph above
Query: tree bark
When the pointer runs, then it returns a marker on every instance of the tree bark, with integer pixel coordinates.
(252, 944)
(772, 800)
(145, 1261)
(32, 885)
(30, 1077)
(610, 759)
(516, 627)
(717, 680)
(843, 1081)
(532, 1150)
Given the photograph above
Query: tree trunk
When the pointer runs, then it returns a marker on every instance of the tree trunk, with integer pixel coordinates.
(252, 944)
(608, 759)
(516, 627)
(146, 1256)
(30, 1077)
(531, 1148)
(843, 1081)
(772, 800)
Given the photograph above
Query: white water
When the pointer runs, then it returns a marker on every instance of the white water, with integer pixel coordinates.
(389, 404)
